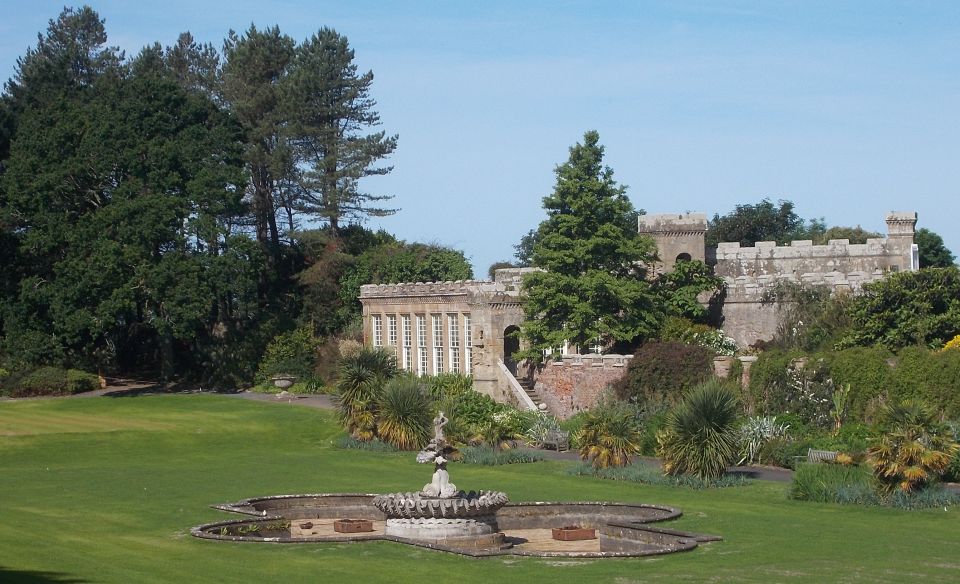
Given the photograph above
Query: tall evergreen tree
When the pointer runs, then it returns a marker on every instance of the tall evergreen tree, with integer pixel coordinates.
(592, 287)
(254, 68)
(331, 111)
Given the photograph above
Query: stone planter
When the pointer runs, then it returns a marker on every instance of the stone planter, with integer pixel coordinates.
(283, 381)
(352, 525)
(573, 533)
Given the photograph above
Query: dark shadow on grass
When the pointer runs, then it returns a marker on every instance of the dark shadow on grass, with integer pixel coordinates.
(8, 576)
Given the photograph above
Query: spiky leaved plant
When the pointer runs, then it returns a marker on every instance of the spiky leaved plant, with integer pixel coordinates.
(404, 413)
(360, 380)
(700, 436)
(610, 436)
(914, 450)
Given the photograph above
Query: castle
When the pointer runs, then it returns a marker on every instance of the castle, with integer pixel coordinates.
(469, 326)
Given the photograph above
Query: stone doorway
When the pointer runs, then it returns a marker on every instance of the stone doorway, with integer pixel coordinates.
(511, 344)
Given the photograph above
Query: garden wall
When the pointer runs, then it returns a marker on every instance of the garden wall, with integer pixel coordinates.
(576, 382)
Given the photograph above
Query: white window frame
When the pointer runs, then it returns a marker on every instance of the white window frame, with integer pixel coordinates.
(377, 328)
(423, 355)
(437, 338)
(453, 341)
(467, 345)
(407, 336)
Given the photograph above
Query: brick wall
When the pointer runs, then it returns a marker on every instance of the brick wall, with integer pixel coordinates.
(576, 382)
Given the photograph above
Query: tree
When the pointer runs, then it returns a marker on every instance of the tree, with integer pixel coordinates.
(255, 65)
(679, 289)
(330, 110)
(907, 308)
(592, 285)
(855, 235)
(749, 224)
(524, 249)
(933, 252)
(492, 270)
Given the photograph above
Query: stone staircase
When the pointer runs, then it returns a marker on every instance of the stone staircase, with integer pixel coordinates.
(531, 391)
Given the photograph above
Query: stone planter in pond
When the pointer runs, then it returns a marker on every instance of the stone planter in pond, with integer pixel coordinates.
(352, 525)
(573, 533)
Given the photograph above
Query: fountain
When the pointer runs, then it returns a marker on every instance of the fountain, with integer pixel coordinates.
(441, 512)
(440, 516)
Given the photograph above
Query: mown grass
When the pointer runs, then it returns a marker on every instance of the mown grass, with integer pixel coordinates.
(105, 490)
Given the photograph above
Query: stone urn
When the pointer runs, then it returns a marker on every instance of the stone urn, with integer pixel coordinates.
(283, 381)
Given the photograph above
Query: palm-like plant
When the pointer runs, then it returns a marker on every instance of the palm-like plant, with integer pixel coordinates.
(915, 450)
(700, 436)
(360, 381)
(610, 436)
(404, 413)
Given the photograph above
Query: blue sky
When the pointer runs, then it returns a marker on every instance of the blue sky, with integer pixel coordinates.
(849, 109)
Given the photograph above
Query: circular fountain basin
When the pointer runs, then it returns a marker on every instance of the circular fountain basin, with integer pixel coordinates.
(623, 530)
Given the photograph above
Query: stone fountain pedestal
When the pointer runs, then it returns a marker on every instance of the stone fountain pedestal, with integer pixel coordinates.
(441, 512)
(416, 516)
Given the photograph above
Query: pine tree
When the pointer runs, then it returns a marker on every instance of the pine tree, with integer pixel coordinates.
(331, 109)
(592, 286)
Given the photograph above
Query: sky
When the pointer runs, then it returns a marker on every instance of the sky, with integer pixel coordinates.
(848, 109)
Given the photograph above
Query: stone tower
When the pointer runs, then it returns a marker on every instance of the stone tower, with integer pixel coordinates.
(679, 236)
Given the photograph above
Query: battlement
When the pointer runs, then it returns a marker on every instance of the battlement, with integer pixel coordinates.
(672, 223)
(450, 288)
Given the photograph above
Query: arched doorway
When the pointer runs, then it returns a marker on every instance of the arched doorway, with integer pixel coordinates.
(511, 344)
(684, 257)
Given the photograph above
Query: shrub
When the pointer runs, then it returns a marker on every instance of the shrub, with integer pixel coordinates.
(755, 433)
(953, 343)
(769, 378)
(610, 435)
(661, 371)
(487, 456)
(573, 425)
(913, 449)
(832, 483)
(360, 383)
(404, 414)
(648, 475)
(543, 424)
(448, 385)
(865, 369)
(291, 353)
(49, 381)
(700, 434)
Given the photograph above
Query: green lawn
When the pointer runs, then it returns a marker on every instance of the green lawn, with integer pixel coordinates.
(106, 490)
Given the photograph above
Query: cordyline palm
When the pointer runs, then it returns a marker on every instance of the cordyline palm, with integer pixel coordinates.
(404, 414)
(700, 437)
(609, 437)
(915, 450)
(360, 381)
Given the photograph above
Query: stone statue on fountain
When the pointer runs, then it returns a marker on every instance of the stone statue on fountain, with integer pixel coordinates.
(437, 452)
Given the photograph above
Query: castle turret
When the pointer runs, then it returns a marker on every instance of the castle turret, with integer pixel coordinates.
(679, 236)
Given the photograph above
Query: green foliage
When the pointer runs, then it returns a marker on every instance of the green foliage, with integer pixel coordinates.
(487, 456)
(47, 381)
(769, 378)
(292, 353)
(933, 252)
(660, 371)
(907, 308)
(404, 413)
(330, 107)
(855, 235)
(755, 434)
(700, 436)
(865, 369)
(359, 386)
(748, 224)
(395, 262)
(679, 289)
(593, 284)
(913, 450)
(648, 475)
(833, 483)
(453, 385)
(610, 435)
(809, 316)
(543, 424)
(931, 376)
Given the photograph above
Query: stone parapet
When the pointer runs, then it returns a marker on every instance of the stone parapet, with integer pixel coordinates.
(456, 287)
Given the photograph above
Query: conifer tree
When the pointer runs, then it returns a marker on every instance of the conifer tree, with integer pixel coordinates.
(331, 111)
(592, 287)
